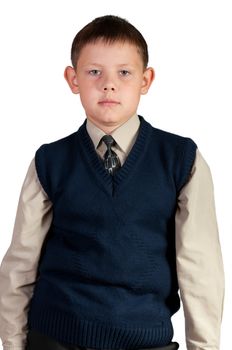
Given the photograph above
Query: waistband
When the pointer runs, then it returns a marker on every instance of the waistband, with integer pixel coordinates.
(38, 341)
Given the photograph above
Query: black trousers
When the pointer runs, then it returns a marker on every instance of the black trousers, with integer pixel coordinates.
(38, 341)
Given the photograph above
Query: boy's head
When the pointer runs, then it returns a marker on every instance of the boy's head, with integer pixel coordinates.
(109, 58)
(109, 29)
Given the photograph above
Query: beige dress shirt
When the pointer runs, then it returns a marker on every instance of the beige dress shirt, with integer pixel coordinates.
(199, 260)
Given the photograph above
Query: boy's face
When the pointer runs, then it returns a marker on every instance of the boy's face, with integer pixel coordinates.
(110, 79)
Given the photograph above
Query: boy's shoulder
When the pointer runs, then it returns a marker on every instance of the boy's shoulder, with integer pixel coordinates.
(164, 136)
(59, 144)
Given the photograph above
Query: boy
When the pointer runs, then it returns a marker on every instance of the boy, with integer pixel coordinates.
(112, 220)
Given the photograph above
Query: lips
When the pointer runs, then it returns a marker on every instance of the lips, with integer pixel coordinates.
(107, 102)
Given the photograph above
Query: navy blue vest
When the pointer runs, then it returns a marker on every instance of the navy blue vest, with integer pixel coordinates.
(107, 271)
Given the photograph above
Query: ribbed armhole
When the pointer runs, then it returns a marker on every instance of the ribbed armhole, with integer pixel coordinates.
(186, 159)
(40, 168)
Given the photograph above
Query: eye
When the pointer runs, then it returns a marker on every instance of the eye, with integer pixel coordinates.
(94, 72)
(124, 72)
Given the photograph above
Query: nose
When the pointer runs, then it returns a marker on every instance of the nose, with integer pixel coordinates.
(109, 82)
(109, 88)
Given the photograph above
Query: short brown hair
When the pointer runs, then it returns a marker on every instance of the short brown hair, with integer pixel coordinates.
(110, 29)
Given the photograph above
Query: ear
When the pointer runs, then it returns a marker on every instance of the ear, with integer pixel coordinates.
(148, 77)
(71, 78)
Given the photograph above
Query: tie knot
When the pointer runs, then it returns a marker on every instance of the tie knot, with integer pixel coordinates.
(108, 140)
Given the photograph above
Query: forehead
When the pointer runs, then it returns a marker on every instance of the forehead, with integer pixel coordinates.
(115, 53)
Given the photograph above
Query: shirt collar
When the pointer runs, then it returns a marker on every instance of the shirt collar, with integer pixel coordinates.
(123, 135)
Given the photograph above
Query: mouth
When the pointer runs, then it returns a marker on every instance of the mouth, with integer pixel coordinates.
(108, 102)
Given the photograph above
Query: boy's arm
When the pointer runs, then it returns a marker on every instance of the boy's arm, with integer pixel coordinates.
(18, 270)
(199, 260)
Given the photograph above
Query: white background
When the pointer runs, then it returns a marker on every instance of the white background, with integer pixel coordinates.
(191, 50)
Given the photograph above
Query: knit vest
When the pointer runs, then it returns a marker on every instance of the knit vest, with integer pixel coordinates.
(107, 270)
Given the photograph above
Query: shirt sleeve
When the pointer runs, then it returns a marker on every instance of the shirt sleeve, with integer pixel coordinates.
(18, 270)
(199, 260)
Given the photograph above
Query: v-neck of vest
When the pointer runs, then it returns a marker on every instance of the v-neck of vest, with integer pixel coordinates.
(96, 164)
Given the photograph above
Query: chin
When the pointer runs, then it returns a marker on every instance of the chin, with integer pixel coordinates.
(110, 119)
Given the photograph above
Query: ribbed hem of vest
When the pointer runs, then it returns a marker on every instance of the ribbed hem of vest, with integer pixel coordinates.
(70, 330)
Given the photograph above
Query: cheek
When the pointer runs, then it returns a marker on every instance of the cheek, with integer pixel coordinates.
(133, 92)
(134, 86)
(88, 98)
(90, 88)
(86, 91)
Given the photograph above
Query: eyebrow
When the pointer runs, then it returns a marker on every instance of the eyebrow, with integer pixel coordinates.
(100, 65)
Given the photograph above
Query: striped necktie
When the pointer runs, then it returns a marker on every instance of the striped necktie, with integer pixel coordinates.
(111, 159)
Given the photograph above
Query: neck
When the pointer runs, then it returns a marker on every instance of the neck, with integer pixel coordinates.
(108, 128)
